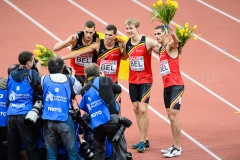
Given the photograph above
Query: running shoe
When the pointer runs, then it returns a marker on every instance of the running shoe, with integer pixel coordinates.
(164, 151)
(135, 146)
(173, 153)
(141, 147)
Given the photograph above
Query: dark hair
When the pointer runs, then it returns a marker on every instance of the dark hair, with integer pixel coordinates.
(55, 65)
(162, 27)
(24, 57)
(111, 27)
(89, 24)
(13, 67)
(91, 70)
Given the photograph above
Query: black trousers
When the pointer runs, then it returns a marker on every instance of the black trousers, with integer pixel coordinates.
(19, 132)
(99, 139)
(3, 137)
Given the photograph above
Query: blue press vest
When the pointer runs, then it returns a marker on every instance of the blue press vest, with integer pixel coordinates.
(56, 99)
(93, 104)
(20, 96)
(3, 108)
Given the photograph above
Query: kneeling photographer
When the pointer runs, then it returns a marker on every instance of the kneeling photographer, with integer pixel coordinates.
(57, 102)
(98, 100)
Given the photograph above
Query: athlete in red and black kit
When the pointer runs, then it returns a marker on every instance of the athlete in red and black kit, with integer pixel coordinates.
(139, 48)
(173, 84)
(79, 41)
(108, 60)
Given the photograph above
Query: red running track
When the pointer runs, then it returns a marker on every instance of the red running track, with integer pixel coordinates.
(207, 119)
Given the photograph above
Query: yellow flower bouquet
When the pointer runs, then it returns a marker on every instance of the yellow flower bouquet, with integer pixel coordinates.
(184, 34)
(164, 11)
(43, 54)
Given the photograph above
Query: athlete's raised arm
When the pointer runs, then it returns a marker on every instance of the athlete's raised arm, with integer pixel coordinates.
(93, 47)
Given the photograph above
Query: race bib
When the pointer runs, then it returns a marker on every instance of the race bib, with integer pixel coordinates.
(108, 66)
(84, 59)
(137, 63)
(164, 68)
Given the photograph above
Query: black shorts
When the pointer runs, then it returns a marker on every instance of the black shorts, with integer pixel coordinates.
(81, 79)
(173, 96)
(140, 92)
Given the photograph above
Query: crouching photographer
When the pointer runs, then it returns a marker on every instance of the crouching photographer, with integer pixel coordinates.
(57, 97)
(98, 100)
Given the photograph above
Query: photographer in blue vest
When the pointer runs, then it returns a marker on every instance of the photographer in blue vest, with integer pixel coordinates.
(104, 116)
(57, 102)
(22, 89)
(3, 112)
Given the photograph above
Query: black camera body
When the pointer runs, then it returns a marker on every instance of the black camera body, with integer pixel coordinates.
(124, 123)
(76, 116)
(67, 70)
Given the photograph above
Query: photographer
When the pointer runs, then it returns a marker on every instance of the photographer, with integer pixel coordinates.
(57, 102)
(104, 117)
(22, 87)
(3, 112)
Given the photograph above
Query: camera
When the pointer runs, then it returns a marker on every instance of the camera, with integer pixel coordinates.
(67, 70)
(124, 122)
(34, 65)
(33, 114)
(84, 148)
(76, 116)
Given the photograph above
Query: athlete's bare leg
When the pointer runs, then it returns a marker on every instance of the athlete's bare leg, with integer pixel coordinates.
(175, 125)
(141, 112)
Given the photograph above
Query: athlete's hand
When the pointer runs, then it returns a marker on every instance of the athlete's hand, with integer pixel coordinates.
(73, 38)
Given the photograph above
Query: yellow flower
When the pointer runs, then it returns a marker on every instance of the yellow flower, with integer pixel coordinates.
(37, 52)
(154, 5)
(186, 25)
(195, 27)
(175, 5)
(37, 58)
(185, 35)
(186, 30)
(195, 38)
(159, 3)
(45, 50)
(42, 63)
(177, 26)
(168, 2)
(181, 31)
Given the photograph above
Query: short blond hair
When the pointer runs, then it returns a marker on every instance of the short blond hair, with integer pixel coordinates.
(133, 21)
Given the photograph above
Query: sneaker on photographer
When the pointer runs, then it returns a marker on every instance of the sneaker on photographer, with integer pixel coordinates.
(173, 152)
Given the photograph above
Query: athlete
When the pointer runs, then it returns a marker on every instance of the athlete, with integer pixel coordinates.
(79, 41)
(173, 84)
(138, 49)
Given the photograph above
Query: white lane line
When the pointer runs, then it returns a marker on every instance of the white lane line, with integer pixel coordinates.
(205, 41)
(184, 74)
(157, 113)
(219, 11)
